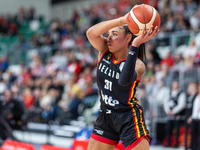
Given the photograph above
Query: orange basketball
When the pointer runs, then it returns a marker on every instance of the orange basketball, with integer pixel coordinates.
(140, 16)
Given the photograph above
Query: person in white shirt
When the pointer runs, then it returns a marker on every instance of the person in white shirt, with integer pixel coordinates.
(174, 107)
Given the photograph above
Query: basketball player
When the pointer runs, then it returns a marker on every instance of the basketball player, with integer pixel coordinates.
(119, 72)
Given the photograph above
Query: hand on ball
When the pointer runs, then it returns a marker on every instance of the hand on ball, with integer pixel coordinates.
(145, 36)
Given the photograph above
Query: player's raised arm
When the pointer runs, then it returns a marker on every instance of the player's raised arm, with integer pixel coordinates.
(133, 71)
(95, 32)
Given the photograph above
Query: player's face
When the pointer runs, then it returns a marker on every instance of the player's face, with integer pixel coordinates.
(116, 39)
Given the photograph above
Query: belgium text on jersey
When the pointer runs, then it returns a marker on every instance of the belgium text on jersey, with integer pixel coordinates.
(108, 71)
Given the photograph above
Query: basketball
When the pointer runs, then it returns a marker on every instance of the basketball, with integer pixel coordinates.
(142, 16)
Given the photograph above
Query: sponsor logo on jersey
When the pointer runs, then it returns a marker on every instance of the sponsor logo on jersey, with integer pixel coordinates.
(109, 56)
(106, 61)
(99, 131)
(131, 53)
(109, 100)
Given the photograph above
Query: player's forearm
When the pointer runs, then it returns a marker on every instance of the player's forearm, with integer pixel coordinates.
(104, 26)
(128, 74)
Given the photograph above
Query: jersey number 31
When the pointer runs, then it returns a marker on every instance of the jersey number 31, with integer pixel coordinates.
(108, 85)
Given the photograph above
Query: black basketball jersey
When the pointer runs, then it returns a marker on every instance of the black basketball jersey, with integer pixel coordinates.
(113, 95)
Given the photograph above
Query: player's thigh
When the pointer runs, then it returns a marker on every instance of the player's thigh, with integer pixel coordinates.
(96, 145)
(142, 145)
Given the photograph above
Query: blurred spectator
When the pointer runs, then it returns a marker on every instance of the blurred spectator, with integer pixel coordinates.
(190, 8)
(191, 49)
(174, 107)
(85, 77)
(150, 69)
(9, 77)
(16, 93)
(13, 29)
(180, 23)
(59, 60)
(21, 16)
(168, 59)
(3, 87)
(37, 97)
(38, 68)
(197, 58)
(169, 24)
(95, 17)
(162, 95)
(11, 111)
(74, 66)
(74, 97)
(188, 63)
(26, 75)
(67, 42)
(54, 30)
(195, 144)
(31, 15)
(195, 20)
(85, 56)
(46, 40)
(164, 74)
(28, 98)
(46, 104)
(192, 94)
(3, 63)
(150, 50)
(34, 41)
(50, 67)
(80, 40)
(178, 63)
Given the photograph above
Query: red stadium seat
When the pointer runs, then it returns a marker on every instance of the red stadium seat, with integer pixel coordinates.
(80, 144)
(14, 145)
(50, 147)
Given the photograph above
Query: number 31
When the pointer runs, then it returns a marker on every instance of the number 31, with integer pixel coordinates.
(108, 85)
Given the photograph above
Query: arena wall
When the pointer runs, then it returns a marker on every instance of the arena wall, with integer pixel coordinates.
(43, 7)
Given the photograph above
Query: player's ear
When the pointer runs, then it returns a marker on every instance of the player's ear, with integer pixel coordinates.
(129, 37)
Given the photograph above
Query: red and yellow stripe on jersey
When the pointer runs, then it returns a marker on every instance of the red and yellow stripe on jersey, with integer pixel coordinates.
(132, 101)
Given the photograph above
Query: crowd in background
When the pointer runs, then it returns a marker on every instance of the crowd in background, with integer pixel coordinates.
(60, 77)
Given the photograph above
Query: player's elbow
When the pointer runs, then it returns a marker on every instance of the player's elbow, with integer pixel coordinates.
(90, 33)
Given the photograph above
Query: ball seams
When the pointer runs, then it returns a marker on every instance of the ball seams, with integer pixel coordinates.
(144, 16)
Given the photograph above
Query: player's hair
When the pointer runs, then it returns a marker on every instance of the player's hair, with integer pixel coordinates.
(141, 53)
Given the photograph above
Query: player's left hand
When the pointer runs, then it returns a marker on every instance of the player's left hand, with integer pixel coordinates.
(145, 36)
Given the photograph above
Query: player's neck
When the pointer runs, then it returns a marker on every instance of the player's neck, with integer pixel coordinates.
(120, 55)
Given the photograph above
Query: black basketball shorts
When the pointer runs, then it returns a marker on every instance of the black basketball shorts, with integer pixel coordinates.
(112, 126)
